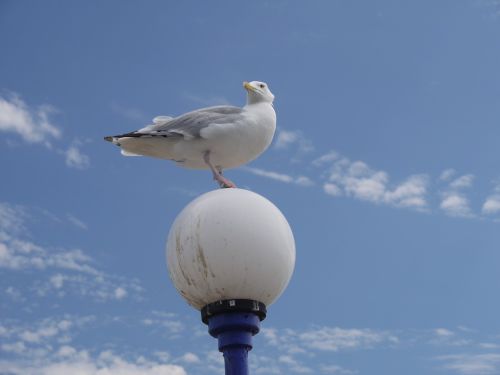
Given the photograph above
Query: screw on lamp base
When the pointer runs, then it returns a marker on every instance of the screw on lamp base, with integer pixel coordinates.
(233, 323)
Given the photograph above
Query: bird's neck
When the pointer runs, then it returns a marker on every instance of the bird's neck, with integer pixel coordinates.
(258, 104)
(251, 99)
(264, 111)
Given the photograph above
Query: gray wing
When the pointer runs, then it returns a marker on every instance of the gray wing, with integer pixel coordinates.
(189, 125)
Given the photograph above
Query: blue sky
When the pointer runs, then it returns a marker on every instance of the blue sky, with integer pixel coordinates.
(385, 163)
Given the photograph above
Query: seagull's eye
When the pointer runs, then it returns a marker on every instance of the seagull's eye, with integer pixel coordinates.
(262, 86)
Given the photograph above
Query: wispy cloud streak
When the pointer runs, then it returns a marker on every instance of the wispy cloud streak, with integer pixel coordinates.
(342, 177)
(282, 177)
(33, 125)
(471, 364)
(60, 271)
(286, 139)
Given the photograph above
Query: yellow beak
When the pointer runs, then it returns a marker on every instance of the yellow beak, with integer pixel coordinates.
(248, 86)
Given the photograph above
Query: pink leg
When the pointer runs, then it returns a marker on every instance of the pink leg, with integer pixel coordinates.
(223, 182)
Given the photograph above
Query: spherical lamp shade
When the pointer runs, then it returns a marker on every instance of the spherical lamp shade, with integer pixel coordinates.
(230, 244)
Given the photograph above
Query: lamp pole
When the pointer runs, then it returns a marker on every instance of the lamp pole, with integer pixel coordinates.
(233, 323)
(230, 254)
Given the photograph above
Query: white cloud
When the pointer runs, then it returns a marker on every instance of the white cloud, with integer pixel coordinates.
(17, 253)
(16, 347)
(162, 321)
(75, 270)
(269, 174)
(190, 358)
(472, 364)
(304, 181)
(461, 182)
(214, 361)
(300, 180)
(345, 178)
(263, 364)
(371, 188)
(326, 159)
(101, 287)
(447, 174)
(332, 189)
(173, 326)
(294, 365)
(31, 337)
(327, 339)
(75, 158)
(4, 331)
(335, 338)
(410, 193)
(32, 124)
(492, 203)
(443, 332)
(44, 332)
(446, 337)
(163, 356)
(76, 222)
(66, 351)
(271, 335)
(120, 293)
(12, 218)
(81, 363)
(335, 369)
(455, 204)
(356, 179)
(312, 350)
(287, 139)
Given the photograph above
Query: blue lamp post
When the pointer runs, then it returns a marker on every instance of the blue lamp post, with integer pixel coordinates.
(230, 254)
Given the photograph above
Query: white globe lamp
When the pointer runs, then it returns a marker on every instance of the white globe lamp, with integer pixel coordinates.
(230, 254)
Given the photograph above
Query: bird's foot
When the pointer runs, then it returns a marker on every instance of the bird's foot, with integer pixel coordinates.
(224, 182)
(217, 173)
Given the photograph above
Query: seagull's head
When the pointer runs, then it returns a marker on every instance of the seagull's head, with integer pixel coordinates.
(258, 92)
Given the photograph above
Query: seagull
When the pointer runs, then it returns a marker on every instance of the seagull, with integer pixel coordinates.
(214, 138)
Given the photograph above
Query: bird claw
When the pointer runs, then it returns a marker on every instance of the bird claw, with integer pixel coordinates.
(224, 183)
(229, 185)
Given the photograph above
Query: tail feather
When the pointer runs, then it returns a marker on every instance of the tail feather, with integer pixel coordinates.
(112, 139)
(137, 144)
(128, 153)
